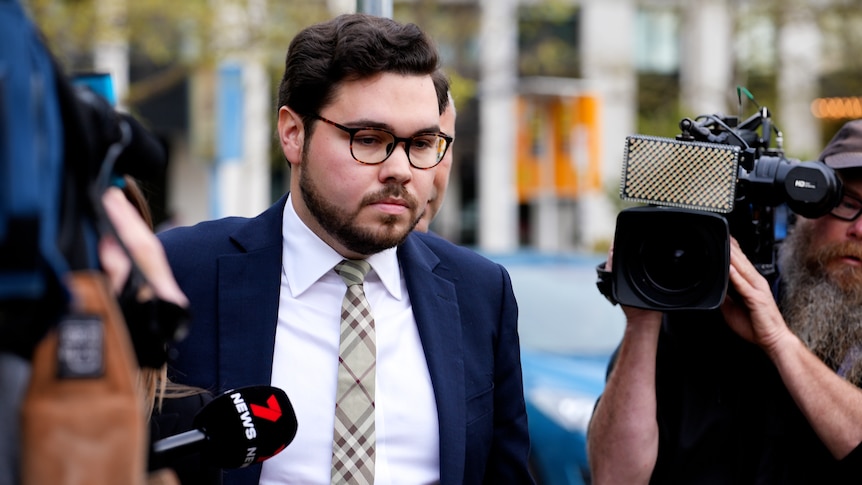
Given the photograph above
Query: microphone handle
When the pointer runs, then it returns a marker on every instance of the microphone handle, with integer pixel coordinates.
(180, 444)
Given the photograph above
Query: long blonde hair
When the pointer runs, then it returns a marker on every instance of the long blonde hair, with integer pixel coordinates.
(154, 383)
(156, 387)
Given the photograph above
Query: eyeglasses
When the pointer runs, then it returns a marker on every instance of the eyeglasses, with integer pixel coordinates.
(848, 209)
(374, 145)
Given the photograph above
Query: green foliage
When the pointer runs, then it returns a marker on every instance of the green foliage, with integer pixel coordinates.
(453, 29)
(463, 89)
(845, 82)
(658, 105)
(183, 36)
(548, 40)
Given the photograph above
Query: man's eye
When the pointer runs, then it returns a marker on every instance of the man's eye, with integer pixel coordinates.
(369, 139)
(424, 142)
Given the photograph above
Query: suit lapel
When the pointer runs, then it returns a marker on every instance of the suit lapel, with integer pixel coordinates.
(249, 285)
(435, 307)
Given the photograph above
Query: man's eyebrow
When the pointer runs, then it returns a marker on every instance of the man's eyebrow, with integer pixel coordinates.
(430, 129)
(367, 123)
(852, 193)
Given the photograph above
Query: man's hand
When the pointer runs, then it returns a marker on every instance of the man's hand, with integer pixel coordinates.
(755, 317)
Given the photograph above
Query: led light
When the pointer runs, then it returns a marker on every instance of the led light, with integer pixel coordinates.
(691, 175)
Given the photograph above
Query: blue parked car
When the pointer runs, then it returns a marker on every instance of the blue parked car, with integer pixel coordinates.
(568, 332)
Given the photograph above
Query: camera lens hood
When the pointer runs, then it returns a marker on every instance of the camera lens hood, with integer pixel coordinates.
(670, 259)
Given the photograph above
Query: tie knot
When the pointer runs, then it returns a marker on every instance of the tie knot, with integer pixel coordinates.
(353, 271)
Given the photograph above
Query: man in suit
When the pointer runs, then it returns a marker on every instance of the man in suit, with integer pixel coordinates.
(359, 124)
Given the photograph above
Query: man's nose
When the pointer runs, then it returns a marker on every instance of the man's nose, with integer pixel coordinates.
(855, 228)
(397, 165)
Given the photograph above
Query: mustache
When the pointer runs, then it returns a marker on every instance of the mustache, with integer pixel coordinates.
(391, 191)
(845, 249)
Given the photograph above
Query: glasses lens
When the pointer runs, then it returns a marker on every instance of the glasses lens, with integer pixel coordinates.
(427, 149)
(371, 146)
(848, 209)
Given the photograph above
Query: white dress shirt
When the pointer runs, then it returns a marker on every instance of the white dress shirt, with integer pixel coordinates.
(305, 365)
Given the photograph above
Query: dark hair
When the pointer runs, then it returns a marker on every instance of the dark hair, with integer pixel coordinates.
(441, 85)
(352, 47)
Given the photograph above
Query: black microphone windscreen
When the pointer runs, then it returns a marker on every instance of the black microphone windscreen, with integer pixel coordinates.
(238, 428)
(246, 425)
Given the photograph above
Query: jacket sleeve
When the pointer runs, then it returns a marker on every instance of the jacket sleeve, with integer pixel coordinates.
(510, 449)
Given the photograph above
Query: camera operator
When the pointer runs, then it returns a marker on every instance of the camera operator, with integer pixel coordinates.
(750, 394)
(70, 410)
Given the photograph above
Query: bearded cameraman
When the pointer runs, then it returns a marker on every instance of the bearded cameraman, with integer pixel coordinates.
(764, 391)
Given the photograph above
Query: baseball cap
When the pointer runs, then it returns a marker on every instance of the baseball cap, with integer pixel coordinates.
(845, 148)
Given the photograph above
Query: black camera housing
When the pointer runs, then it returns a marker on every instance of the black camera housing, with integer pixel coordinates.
(670, 259)
(674, 254)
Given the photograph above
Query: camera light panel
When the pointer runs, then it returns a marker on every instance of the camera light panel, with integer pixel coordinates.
(686, 174)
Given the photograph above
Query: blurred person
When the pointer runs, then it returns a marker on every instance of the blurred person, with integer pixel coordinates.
(49, 238)
(171, 407)
(441, 178)
(760, 392)
(440, 396)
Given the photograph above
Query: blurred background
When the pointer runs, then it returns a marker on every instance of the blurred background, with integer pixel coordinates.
(546, 92)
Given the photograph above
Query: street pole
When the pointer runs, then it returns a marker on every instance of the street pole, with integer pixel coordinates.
(380, 8)
(498, 211)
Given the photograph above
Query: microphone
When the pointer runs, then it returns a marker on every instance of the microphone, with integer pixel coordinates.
(239, 428)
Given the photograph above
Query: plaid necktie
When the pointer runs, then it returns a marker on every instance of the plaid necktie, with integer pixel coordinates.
(353, 437)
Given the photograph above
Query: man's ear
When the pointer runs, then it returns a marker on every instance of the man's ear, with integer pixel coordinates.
(291, 134)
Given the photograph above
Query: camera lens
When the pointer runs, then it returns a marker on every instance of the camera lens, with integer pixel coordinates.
(670, 259)
(674, 262)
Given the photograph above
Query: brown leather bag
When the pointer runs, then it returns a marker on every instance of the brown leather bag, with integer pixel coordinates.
(83, 417)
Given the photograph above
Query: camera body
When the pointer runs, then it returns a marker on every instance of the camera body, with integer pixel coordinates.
(718, 178)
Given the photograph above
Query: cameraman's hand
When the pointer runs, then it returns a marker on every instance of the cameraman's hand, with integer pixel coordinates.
(143, 246)
(755, 317)
(637, 316)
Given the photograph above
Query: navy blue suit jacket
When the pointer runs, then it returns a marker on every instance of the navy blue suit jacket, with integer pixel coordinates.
(464, 309)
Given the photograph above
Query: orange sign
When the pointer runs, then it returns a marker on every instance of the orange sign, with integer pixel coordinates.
(558, 146)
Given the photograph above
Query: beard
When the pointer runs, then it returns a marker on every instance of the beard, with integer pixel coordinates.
(822, 302)
(341, 224)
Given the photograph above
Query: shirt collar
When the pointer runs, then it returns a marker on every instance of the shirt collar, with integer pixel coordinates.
(306, 258)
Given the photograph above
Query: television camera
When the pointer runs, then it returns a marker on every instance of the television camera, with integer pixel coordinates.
(719, 177)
